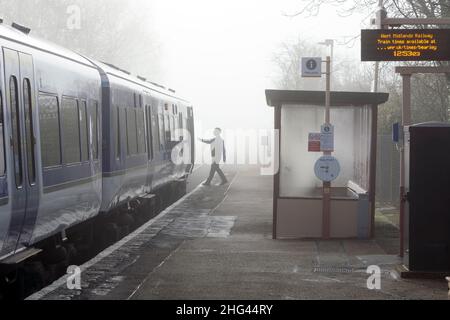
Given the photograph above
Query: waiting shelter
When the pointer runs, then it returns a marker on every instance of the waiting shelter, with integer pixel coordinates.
(298, 193)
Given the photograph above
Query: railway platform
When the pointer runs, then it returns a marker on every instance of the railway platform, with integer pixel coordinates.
(216, 243)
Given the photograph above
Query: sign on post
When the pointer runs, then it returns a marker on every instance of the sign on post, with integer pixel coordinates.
(405, 45)
(327, 138)
(312, 67)
(327, 168)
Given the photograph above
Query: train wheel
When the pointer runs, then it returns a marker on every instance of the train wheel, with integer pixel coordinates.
(35, 277)
(15, 285)
(71, 253)
(55, 255)
(111, 234)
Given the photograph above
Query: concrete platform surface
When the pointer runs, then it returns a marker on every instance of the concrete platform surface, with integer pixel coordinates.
(216, 243)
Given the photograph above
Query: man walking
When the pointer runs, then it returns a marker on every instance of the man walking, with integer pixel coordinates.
(217, 152)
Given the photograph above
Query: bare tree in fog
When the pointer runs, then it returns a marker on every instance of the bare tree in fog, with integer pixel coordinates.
(431, 94)
(114, 31)
(347, 75)
(396, 8)
(288, 62)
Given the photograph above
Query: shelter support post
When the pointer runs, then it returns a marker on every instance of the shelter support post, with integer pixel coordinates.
(326, 205)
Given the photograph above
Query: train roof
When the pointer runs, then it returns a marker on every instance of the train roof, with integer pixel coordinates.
(14, 34)
(111, 69)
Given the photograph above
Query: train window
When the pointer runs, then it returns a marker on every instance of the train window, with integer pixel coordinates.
(84, 132)
(168, 127)
(140, 131)
(118, 132)
(29, 132)
(161, 131)
(49, 129)
(131, 132)
(173, 129)
(180, 125)
(70, 130)
(95, 135)
(155, 131)
(15, 126)
(2, 140)
(150, 125)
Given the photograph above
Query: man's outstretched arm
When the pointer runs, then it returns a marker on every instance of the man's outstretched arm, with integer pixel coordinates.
(207, 141)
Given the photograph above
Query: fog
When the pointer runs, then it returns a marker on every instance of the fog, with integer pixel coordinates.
(217, 54)
(220, 54)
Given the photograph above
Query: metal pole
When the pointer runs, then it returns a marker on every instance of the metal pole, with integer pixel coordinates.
(331, 59)
(380, 17)
(376, 77)
(327, 90)
(326, 205)
(406, 121)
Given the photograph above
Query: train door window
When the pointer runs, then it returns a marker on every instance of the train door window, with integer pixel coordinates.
(84, 132)
(70, 130)
(29, 130)
(180, 125)
(49, 130)
(2, 139)
(161, 131)
(150, 126)
(140, 130)
(180, 121)
(15, 126)
(173, 129)
(155, 130)
(95, 133)
(117, 132)
(168, 127)
(131, 132)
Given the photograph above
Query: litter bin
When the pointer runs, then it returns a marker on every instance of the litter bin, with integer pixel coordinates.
(427, 210)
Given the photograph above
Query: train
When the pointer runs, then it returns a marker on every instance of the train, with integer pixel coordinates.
(85, 149)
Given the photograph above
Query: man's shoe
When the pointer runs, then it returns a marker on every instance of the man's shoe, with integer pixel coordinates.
(206, 184)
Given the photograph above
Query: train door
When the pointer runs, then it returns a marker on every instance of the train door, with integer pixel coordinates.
(149, 125)
(20, 100)
(191, 129)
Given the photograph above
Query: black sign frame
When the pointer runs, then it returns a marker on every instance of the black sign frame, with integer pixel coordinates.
(392, 48)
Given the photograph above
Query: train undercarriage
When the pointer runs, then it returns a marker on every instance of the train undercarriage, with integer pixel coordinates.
(31, 270)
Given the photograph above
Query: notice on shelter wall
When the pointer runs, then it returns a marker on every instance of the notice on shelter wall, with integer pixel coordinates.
(314, 142)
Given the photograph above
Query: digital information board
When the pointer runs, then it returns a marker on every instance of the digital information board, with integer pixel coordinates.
(405, 45)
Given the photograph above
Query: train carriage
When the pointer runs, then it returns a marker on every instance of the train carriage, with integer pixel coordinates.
(81, 142)
(51, 122)
(141, 122)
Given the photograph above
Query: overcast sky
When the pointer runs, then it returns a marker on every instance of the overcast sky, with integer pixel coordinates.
(219, 53)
